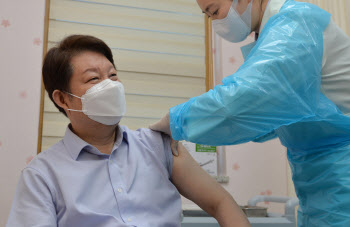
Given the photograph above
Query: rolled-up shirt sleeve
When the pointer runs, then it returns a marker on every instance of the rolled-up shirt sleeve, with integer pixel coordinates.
(33, 204)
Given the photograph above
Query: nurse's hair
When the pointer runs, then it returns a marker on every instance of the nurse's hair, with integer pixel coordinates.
(57, 69)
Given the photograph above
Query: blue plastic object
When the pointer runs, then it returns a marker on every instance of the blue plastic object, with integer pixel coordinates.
(276, 92)
(322, 183)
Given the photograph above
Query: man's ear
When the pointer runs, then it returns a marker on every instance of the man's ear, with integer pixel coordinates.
(60, 99)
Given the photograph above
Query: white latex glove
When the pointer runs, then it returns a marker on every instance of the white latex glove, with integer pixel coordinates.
(163, 125)
(174, 146)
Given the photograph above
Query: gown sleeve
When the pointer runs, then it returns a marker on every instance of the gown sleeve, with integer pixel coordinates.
(278, 85)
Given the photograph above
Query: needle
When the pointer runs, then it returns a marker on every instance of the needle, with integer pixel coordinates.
(205, 163)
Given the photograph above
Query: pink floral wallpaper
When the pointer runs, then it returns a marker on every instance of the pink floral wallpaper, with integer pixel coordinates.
(21, 35)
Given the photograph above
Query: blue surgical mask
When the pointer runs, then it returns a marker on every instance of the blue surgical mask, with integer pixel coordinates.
(234, 27)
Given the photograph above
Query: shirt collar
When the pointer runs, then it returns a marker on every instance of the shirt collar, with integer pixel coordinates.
(272, 8)
(75, 144)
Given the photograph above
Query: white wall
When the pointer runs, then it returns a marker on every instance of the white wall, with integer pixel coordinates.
(21, 35)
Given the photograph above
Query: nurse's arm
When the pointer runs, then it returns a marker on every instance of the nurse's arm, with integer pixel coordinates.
(195, 184)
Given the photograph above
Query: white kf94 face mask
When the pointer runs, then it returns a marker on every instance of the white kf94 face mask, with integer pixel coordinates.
(234, 27)
(104, 102)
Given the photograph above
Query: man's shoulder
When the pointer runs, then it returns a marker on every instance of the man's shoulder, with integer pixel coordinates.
(48, 158)
(150, 138)
(157, 145)
(144, 133)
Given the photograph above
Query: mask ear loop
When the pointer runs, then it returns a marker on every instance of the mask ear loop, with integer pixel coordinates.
(74, 110)
(76, 97)
(73, 95)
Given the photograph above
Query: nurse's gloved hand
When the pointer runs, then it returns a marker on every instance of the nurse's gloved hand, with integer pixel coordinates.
(163, 125)
(174, 146)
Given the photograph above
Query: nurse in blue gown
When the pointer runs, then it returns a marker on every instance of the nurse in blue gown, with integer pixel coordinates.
(294, 85)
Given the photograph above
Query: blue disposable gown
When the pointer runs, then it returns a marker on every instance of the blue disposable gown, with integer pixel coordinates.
(276, 93)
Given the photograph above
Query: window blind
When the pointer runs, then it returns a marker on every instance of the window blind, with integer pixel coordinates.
(158, 48)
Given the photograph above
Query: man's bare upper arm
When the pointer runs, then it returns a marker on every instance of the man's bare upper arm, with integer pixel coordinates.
(194, 183)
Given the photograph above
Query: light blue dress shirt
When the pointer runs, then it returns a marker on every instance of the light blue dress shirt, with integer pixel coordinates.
(73, 184)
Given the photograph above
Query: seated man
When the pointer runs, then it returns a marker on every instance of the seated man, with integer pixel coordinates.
(103, 174)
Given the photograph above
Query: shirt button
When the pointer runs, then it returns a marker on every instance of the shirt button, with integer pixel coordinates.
(120, 190)
(129, 219)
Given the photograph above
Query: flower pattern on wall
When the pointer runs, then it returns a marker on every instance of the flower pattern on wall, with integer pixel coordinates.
(267, 192)
(232, 60)
(5, 23)
(37, 41)
(29, 158)
(236, 167)
(23, 94)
